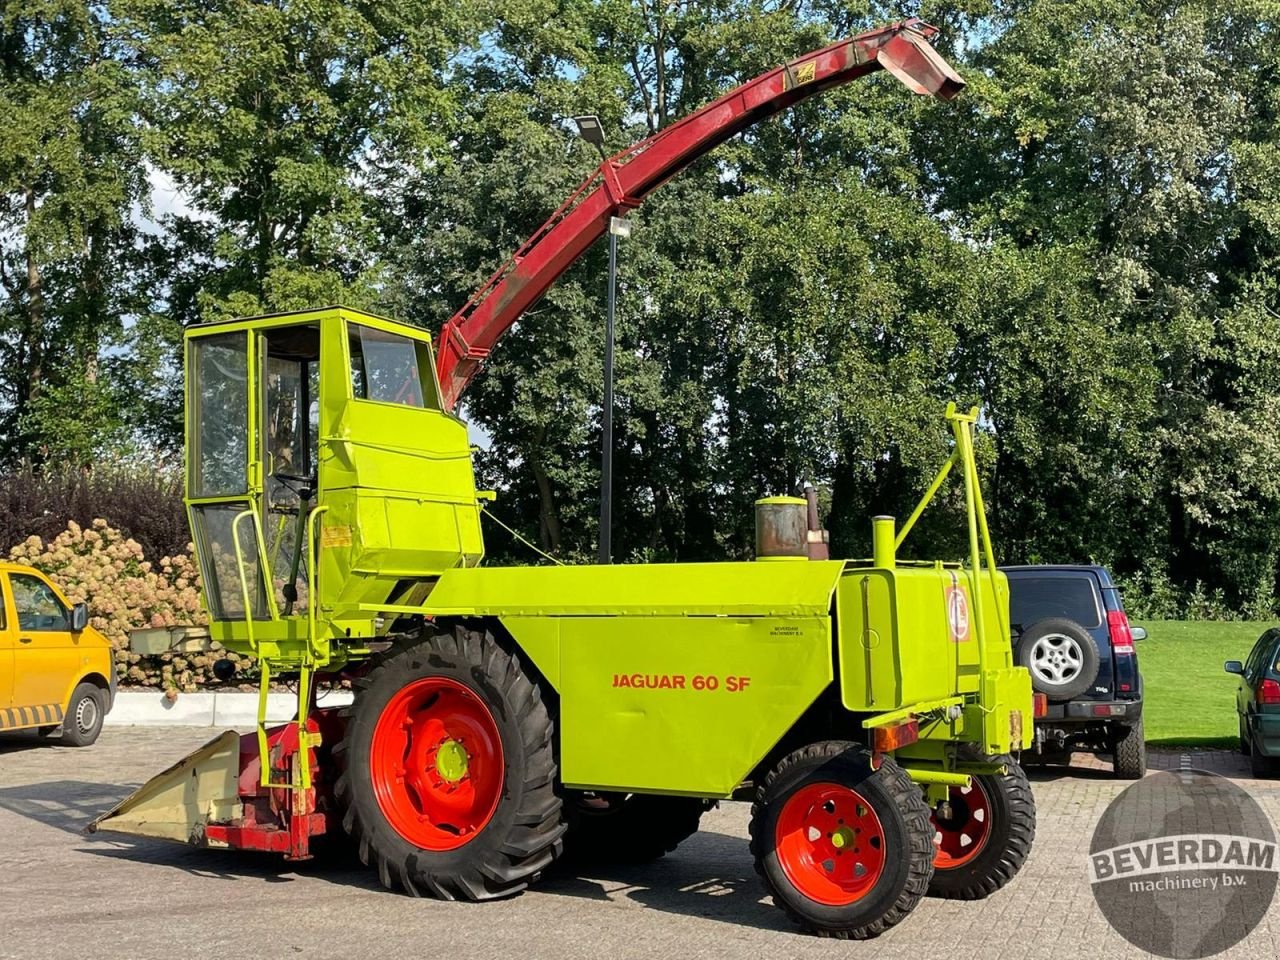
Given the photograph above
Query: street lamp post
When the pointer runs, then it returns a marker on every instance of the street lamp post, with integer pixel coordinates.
(591, 130)
(618, 227)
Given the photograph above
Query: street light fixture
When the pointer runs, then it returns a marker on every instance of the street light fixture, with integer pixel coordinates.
(591, 130)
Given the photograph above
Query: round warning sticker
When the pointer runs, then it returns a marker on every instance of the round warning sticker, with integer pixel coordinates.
(958, 614)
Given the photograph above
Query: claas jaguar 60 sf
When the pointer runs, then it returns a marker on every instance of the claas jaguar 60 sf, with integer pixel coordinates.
(504, 716)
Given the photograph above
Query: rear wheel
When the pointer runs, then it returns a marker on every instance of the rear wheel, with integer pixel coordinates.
(1262, 766)
(627, 828)
(83, 722)
(984, 837)
(843, 848)
(447, 774)
(1129, 755)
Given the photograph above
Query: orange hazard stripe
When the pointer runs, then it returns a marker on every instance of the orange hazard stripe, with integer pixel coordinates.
(42, 715)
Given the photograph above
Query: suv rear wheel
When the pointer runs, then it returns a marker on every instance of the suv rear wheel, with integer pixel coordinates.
(1129, 754)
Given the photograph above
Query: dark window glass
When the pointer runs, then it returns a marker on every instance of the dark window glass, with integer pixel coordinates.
(38, 607)
(1037, 598)
(1259, 655)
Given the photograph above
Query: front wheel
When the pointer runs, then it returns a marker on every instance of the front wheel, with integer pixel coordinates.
(843, 847)
(83, 722)
(446, 770)
(984, 834)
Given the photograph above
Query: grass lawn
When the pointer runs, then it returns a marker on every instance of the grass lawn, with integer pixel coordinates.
(1189, 700)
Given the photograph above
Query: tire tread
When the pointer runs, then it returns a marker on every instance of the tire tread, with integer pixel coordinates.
(535, 836)
(1017, 847)
(905, 794)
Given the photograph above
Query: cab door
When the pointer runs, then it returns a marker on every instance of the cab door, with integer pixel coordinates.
(46, 657)
(224, 474)
(6, 657)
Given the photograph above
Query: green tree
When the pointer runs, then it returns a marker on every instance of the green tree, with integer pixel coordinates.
(71, 175)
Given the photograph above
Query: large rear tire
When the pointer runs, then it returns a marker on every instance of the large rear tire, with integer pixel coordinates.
(844, 849)
(446, 770)
(985, 840)
(628, 828)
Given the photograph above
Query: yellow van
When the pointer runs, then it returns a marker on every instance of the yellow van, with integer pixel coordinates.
(56, 671)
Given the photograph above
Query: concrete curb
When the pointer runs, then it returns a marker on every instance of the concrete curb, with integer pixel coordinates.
(148, 709)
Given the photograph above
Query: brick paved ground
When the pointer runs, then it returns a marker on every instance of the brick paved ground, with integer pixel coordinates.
(68, 895)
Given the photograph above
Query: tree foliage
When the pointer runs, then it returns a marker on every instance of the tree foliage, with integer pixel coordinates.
(1086, 242)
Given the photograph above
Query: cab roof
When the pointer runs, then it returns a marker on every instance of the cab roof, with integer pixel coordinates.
(330, 313)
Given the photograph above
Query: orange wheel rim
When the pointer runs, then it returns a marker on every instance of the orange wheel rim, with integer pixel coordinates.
(830, 844)
(436, 763)
(959, 838)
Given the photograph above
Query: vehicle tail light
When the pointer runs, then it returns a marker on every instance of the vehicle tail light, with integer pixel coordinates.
(1269, 692)
(1040, 705)
(1121, 635)
(886, 739)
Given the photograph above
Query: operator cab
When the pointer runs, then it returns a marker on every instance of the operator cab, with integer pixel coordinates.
(327, 420)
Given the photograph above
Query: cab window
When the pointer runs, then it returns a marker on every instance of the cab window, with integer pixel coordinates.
(390, 368)
(218, 431)
(37, 606)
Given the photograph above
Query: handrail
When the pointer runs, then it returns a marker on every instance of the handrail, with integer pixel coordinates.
(313, 568)
(264, 680)
(962, 426)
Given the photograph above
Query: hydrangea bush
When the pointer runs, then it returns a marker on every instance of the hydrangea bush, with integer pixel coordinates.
(126, 592)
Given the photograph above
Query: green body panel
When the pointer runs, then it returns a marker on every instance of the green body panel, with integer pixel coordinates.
(650, 589)
(673, 704)
(929, 609)
(670, 678)
(930, 660)
(641, 655)
(397, 480)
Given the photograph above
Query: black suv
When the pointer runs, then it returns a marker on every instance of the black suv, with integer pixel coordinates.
(1070, 630)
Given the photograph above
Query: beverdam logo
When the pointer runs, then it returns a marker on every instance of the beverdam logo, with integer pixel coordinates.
(1183, 865)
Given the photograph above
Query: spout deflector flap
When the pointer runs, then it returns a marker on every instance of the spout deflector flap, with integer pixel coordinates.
(176, 804)
(909, 57)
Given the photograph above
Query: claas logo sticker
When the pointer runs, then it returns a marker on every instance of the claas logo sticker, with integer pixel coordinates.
(957, 614)
(806, 72)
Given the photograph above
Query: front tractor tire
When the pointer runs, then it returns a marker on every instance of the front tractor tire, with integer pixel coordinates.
(983, 840)
(446, 770)
(844, 848)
